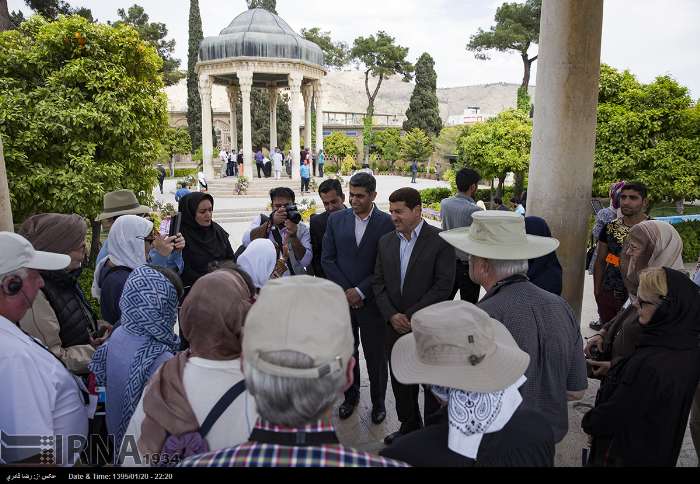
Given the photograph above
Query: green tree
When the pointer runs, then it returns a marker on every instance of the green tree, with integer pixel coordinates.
(5, 20)
(194, 103)
(517, 28)
(51, 9)
(416, 145)
(154, 33)
(269, 5)
(647, 132)
(498, 146)
(338, 146)
(446, 142)
(387, 143)
(82, 113)
(176, 141)
(335, 54)
(424, 110)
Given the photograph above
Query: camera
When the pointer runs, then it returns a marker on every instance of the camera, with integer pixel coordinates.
(293, 213)
(596, 354)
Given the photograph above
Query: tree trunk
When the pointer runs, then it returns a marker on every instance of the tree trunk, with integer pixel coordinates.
(5, 206)
(501, 181)
(527, 68)
(5, 23)
(492, 196)
(680, 206)
(95, 243)
(519, 184)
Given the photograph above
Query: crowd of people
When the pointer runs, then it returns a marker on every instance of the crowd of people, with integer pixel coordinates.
(269, 334)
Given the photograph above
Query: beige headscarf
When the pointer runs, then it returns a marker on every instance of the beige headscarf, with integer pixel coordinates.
(212, 320)
(55, 232)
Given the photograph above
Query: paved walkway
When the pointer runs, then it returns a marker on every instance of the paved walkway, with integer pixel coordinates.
(358, 430)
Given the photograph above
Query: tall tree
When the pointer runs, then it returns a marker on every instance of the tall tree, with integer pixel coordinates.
(335, 54)
(154, 33)
(381, 59)
(5, 23)
(424, 111)
(416, 145)
(269, 5)
(194, 103)
(517, 28)
(51, 9)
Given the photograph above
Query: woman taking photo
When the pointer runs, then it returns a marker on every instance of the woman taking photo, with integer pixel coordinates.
(642, 410)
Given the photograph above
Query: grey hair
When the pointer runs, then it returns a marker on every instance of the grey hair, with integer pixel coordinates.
(503, 269)
(292, 402)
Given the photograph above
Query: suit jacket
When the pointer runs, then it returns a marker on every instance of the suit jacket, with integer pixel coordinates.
(342, 260)
(429, 278)
(318, 225)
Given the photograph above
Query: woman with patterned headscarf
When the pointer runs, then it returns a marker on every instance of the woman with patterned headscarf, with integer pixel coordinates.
(186, 389)
(140, 345)
(60, 316)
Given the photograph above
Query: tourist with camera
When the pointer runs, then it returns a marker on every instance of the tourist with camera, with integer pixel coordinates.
(285, 228)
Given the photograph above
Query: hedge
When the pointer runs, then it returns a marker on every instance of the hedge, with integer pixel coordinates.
(184, 172)
(690, 233)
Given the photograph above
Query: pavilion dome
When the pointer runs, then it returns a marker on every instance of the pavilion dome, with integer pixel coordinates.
(259, 33)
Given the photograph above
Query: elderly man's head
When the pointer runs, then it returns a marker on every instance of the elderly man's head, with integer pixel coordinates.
(297, 358)
(487, 272)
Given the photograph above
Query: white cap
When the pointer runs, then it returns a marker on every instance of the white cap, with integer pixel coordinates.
(16, 252)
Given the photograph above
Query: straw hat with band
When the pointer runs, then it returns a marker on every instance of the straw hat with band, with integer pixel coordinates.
(121, 202)
(285, 318)
(499, 235)
(456, 345)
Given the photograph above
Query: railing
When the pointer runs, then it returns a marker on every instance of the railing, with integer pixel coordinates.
(356, 119)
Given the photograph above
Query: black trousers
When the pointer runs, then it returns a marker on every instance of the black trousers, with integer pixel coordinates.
(406, 396)
(468, 290)
(259, 166)
(160, 183)
(368, 326)
(305, 184)
(320, 170)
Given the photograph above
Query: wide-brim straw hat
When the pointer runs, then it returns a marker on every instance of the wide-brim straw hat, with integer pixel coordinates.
(499, 235)
(454, 344)
(121, 202)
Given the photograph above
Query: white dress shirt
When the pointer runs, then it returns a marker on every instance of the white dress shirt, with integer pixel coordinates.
(406, 249)
(360, 229)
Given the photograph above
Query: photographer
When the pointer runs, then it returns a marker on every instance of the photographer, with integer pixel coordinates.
(283, 226)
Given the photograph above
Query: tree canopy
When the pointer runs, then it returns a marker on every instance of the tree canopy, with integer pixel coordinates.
(49, 9)
(82, 113)
(381, 58)
(517, 28)
(335, 54)
(338, 145)
(647, 132)
(416, 145)
(424, 110)
(269, 5)
(387, 143)
(154, 33)
(194, 102)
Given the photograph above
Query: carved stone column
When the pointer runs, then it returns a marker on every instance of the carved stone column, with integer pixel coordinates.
(5, 207)
(233, 118)
(273, 118)
(308, 92)
(245, 83)
(295, 80)
(207, 138)
(318, 89)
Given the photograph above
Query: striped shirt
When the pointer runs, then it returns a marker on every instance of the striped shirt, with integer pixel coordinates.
(256, 453)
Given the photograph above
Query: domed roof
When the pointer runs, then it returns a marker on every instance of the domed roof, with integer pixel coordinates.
(260, 33)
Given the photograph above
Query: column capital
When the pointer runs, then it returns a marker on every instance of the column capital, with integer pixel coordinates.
(205, 85)
(295, 80)
(245, 81)
(232, 91)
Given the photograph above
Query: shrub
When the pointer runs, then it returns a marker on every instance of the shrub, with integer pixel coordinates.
(185, 172)
(330, 169)
(348, 165)
(434, 195)
(85, 282)
(690, 233)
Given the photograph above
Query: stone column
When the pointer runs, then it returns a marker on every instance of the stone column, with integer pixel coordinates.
(273, 118)
(318, 89)
(233, 118)
(5, 206)
(245, 83)
(295, 79)
(563, 139)
(308, 92)
(207, 138)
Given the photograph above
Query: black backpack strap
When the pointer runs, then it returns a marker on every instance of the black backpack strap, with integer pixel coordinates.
(224, 402)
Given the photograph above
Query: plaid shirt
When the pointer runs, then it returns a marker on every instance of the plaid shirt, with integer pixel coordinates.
(261, 454)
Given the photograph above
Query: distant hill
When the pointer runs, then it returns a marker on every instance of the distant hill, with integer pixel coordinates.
(345, 92)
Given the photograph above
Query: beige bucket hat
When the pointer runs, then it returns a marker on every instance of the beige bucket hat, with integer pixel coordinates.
(121, 202)
(499, 235)
(303, 314)
(454, 344)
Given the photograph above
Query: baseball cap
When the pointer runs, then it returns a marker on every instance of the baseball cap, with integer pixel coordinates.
(303, 314)
(16, 252)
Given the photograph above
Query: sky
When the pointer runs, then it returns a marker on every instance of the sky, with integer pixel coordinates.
(648, 37)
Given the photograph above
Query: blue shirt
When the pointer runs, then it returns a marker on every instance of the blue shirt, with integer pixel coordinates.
(304, 171)
(406, 249)
(259, 157)
(321, 159)
(174, 261)
(181, 193)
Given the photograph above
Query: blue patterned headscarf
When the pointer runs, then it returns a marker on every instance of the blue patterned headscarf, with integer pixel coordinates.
(149, 308)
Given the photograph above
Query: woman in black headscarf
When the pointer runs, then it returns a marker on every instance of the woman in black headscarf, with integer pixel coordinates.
(207, 241)
(544, 272)
(642, 410)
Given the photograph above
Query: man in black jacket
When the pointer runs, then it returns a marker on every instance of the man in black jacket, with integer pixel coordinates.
(415, 268)
(333, 198)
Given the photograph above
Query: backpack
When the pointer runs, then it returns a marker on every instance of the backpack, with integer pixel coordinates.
(179, 447)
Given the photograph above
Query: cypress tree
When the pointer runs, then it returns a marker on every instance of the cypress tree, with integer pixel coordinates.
(269, 5)
(424, 111)
(194, 103)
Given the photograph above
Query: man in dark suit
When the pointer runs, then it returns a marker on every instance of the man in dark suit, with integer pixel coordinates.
(348, 259)
(333, 198)
(415, 269)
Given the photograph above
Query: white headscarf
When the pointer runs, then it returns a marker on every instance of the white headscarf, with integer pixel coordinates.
(259, 261)
(125, 246)
(473, 414)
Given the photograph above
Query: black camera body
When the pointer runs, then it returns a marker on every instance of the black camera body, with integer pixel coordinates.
(596, 354)
(293, 213)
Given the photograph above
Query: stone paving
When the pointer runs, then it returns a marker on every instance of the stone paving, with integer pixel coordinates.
(359, 431)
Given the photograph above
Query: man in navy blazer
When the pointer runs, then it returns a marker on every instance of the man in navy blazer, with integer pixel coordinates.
(348, 259)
